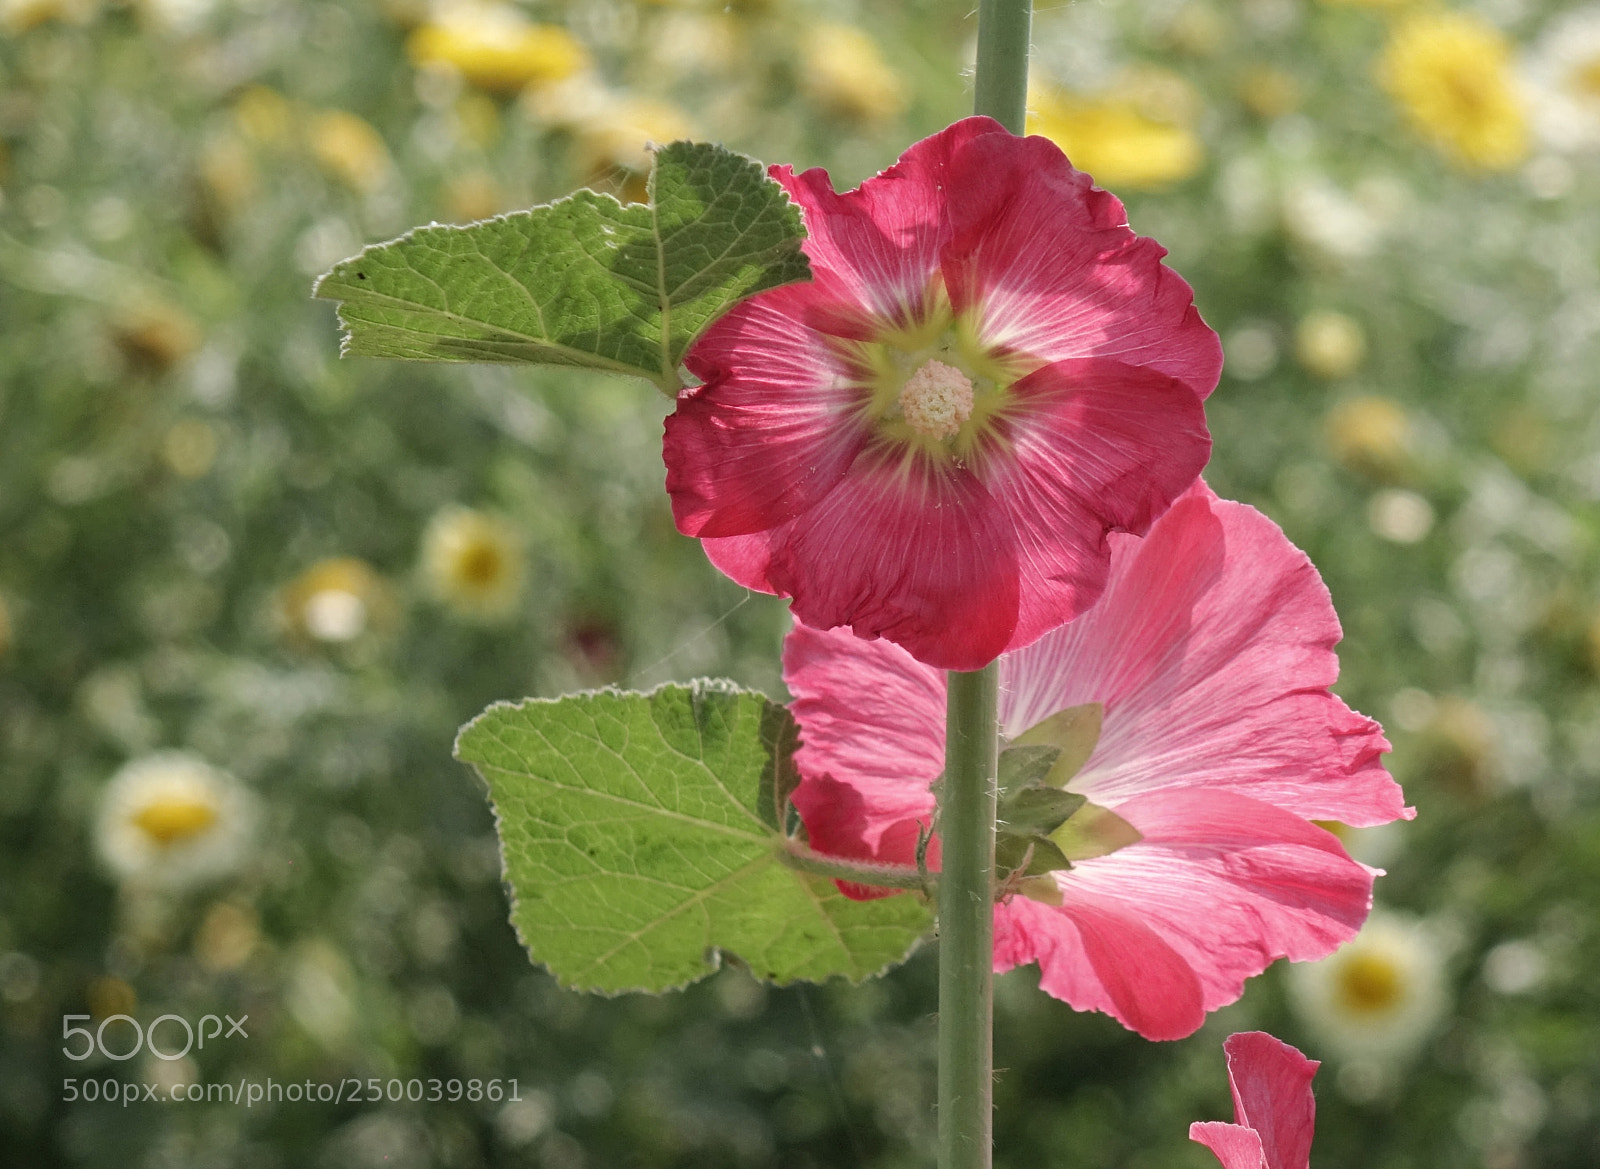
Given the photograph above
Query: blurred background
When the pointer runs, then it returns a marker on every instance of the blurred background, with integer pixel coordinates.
(248, 591)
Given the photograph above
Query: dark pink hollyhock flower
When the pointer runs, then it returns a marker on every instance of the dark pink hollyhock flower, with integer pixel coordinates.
(1207, 662)
(1273, 1110)
(930, 441)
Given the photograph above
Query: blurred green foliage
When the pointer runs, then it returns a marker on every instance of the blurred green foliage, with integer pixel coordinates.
(220, 539)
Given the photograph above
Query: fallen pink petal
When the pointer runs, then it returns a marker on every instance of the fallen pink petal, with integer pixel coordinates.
(930, 442)
(1274, 1111)
(1210, 654)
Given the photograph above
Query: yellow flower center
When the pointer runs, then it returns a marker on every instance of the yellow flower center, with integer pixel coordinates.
(481, 565)
(930, 384)
(936, 400)
(1369, 984)
(175, 819)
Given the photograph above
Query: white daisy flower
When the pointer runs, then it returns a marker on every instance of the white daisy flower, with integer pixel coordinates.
(1563, 82)
(170, 820)
(1380, 995)
(335, 601)
(473, 562)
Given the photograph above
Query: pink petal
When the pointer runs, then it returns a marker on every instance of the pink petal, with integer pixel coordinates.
(1235, 1147)
(1051, 267)
(773, 453)
(869, 714)
(1212, 650)
(1102, 957)
(760, 442)
(1227, 883)
(744, 559)
(1271, 1084)
(918, 554)
(1094, 445)
(877, 247)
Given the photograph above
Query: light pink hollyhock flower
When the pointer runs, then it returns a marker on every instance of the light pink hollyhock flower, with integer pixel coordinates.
(1273, 1110)
(930, 441)
(1211, 654)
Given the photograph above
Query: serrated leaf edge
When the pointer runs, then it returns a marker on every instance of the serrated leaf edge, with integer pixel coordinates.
(667, 379)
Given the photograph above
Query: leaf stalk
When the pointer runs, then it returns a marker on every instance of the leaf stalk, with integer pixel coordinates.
(862, 872)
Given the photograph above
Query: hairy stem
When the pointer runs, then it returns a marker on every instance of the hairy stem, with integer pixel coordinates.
(966, 921)
(1002, 79)
(967, 796)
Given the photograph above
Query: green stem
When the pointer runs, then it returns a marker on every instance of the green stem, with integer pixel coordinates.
(967, 795)
(966, 920)
(1002, 80)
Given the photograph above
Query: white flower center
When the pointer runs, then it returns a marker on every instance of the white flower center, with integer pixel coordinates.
(936, 400)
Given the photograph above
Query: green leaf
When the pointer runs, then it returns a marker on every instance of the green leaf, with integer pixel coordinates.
(1038, 810)
(1075, 730)
(1025, 767)
(1094, 831)
(584, 281)
(641, 837)
(1028, 856)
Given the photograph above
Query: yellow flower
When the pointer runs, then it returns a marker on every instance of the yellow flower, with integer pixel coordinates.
(170, 820)
(334, 601)
(154, 335)
(1330, 345)
(1135, 135)
(349, 149)
(1451, 74)
(473, 562)
(495, 48)
(1371, 436)
(1380, 995)
(263, 114)
(1268, 92)
(843, 71)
